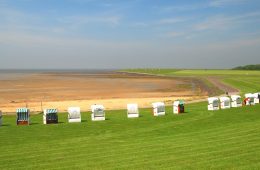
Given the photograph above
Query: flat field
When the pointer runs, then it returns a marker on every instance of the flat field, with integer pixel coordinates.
(198, 139)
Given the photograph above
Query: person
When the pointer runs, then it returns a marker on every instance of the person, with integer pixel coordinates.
(245, 100)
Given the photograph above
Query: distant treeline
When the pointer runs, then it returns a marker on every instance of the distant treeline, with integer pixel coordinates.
(248, 67)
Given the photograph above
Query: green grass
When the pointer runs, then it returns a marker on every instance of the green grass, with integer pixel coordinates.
(246, 81)
(198, 139)
(218, 73)
(195, 72)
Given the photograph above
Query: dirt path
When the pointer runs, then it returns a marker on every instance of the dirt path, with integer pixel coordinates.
(216, 81)
(224, 87)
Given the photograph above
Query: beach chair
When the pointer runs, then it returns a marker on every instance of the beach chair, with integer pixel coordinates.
(50, 116)
(178, 107)
(98, 113)
(236, 101)
(224, 102)
(74, 115)
(158, 109)
(213, 103)
(249, 99)
(23, 116)
(132, 111)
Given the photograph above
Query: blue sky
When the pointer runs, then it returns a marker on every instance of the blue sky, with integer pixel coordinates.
(127, 34)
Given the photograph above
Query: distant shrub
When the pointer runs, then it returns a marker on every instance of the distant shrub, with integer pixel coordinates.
(248, 67)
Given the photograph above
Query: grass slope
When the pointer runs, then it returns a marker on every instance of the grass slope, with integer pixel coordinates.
(244, 80)
(198, 139)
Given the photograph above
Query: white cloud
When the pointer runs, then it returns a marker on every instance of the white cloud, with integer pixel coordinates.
(199, 6)
(139, 24)
(190, 7)
(172, 20)
(175, 34)
(159, 22)
(15, 20)
(214, 23)
(20, 21)
(81, 20)
(75, 23)
(222, 22)
(221, 3)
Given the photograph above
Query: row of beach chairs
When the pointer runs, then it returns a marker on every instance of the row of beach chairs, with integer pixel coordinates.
(215, 103)
(50, 116)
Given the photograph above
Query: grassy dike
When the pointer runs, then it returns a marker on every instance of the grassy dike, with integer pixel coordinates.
(246, 81)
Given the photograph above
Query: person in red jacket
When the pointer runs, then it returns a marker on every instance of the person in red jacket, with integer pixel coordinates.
(245, 100)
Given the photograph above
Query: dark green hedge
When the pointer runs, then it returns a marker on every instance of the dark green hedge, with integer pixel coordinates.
(248, 67)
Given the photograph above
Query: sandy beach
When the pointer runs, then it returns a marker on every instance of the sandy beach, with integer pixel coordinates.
(114, 90)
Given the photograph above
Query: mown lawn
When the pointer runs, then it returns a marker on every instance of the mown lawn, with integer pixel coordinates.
(198, 139)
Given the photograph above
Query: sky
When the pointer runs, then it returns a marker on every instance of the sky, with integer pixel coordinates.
(115, 34)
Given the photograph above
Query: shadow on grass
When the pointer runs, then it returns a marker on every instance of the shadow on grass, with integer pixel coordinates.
(5, 125)
(34, 123)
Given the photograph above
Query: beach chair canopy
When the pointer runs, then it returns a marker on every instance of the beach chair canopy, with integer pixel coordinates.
(212, 99)
(235, 97)
(51, 111)
(249, 95)
(132, 109)
(158, 104)
(22, 110)
(178, 102)
(74, 112)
